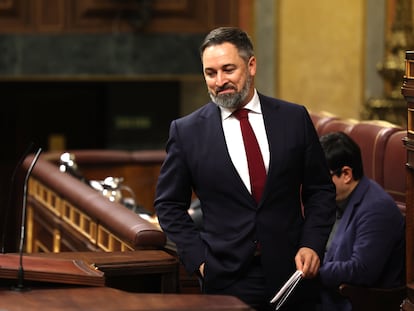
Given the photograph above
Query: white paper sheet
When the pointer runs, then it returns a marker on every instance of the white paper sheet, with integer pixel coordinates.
(287, 289)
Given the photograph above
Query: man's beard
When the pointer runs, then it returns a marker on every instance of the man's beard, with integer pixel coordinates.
(231, 100)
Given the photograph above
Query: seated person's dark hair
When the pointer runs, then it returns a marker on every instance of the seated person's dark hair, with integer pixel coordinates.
(341, 150)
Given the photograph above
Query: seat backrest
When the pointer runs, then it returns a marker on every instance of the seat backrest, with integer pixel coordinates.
(337, 125)
(378, 299)
(395, 168)
(372, 137)
(321, 118)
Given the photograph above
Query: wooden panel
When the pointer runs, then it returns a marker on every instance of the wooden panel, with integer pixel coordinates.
(49, 15)
(91, 16)
(165, 15)
(408, 93)
(137, 271)
(14, 14)
(50, 218)
(49, 270)
(43, 228)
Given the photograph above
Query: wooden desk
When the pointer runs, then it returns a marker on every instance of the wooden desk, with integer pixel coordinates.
(137, 271)
(111, 299)
(145, 271)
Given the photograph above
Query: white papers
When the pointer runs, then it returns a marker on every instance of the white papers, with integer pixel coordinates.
(286, 289)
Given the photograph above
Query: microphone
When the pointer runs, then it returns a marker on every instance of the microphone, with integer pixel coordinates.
(12, 184)
(20, 275)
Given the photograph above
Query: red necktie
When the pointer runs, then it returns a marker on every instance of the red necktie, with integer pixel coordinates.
(255, 162)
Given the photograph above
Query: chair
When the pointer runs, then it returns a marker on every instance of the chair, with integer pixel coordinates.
(372, 137)
(395, 168)
(378, 299)
(320, 119)
(337, 125)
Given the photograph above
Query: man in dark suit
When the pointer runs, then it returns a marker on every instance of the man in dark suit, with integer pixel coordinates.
(246, 247)
(367, 245)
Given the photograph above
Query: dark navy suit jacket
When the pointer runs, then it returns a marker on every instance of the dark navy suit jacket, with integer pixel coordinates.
(197, 160)
(368, 248)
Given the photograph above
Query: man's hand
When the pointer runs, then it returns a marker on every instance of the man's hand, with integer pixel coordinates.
(308, 262)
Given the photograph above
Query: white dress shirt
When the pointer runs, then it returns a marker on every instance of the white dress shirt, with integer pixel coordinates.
(234, 139)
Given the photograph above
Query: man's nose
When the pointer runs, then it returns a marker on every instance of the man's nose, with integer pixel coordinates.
(220, 79)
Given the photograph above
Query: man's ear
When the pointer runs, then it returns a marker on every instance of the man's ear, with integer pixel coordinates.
(348, 175)
(252, 66)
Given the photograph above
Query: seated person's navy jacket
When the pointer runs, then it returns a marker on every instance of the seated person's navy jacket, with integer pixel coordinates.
(368, 248)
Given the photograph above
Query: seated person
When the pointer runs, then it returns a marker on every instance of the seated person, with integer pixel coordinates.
(367, 243)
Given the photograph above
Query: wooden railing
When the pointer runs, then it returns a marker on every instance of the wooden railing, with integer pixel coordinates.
(65, 214)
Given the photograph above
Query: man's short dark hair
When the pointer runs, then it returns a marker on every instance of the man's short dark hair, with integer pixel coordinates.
(233, 35)
(341, 150)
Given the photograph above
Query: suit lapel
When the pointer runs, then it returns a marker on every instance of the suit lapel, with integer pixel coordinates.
(355, 200)
(348, 215)
(274, 135)
(211, 125)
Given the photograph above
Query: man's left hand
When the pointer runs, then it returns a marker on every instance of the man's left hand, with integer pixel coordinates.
(307, 261)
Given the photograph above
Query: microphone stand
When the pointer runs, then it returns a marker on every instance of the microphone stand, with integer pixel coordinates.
(9, 203)
(20, 274)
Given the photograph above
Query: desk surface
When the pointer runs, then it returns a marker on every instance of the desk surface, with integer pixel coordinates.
(110, 299)
(140, 270)
(112, 262)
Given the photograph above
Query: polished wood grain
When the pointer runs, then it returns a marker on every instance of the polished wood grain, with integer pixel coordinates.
(407, 91)
(138, 271)
(67, 271)
(105, 299)
(103, 16)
